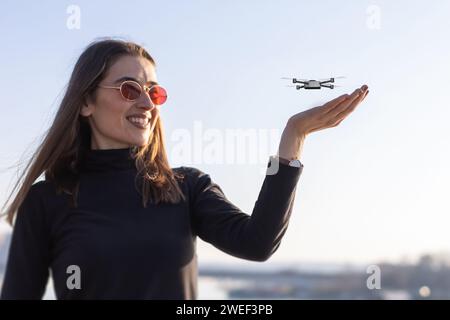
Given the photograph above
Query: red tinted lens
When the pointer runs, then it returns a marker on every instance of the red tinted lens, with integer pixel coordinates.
(158, 95)
(130, 90)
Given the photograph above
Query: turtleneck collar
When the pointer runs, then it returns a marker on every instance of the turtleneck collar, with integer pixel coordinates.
(105, 160)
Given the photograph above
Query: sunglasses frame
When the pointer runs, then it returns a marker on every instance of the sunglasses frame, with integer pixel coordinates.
(144, 88)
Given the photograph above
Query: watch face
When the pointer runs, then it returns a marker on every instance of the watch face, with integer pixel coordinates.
(295, 163)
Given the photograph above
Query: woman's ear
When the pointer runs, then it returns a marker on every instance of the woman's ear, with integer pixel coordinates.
(86, 110)
(86, 107)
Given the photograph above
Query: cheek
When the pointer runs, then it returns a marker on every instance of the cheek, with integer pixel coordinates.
(111, 114)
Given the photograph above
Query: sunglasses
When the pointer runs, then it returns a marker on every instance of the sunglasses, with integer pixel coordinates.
(131, 91)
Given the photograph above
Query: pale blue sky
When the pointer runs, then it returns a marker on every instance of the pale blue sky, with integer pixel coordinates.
(373, 188)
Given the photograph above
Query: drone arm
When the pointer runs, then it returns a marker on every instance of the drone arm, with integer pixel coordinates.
(294, 80)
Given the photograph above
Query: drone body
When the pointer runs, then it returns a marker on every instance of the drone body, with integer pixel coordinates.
(313, 84)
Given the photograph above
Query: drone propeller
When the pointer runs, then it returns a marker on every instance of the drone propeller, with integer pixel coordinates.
(325, 79)
(285, 78)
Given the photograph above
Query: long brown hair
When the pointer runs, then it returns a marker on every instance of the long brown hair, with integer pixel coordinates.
(68, 139)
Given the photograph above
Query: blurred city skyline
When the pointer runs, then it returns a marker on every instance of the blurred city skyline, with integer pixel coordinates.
(372, 189)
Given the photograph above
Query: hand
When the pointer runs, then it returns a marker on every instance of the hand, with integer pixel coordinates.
(328, 115)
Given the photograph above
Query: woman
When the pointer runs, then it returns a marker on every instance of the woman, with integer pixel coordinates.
(112, 220)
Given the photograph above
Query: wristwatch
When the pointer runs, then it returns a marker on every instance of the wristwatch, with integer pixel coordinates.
(292, 163)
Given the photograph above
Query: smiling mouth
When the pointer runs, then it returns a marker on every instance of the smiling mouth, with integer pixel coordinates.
(139, 122)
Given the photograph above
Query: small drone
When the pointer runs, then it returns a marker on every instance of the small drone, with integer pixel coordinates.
(313, 84)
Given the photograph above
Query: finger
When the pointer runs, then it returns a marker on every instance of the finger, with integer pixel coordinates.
(336, 101)
(341, 103)
(365, 90)
(344, 104)
(342, 115)
(351, 107)
(332, 103)
(365, 94)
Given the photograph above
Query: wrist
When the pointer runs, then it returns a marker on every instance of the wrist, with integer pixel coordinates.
(283, 160)
(291, 145)
(297, 128)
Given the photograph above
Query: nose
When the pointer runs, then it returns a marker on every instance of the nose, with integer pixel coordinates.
(145, 102)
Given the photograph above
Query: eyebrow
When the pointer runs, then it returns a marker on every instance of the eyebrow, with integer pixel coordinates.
(133, 79)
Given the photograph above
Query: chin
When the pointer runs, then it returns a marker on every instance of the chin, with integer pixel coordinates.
(139, 143)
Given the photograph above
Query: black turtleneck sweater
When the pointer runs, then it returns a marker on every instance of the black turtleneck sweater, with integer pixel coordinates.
(111, 247)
